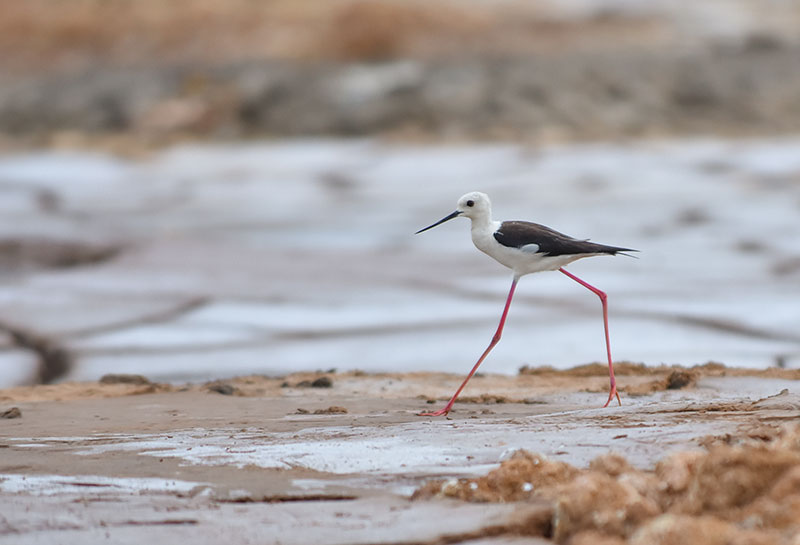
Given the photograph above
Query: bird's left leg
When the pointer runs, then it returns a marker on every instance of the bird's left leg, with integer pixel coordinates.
(603, 299)
(495, 340)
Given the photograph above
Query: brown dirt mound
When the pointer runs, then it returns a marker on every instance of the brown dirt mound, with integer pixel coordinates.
(736, 491)
(664, 377)
(527, 387)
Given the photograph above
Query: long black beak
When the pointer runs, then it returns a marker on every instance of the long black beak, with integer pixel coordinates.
(441, 221)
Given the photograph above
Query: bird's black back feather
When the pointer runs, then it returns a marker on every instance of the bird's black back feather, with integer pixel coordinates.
(516, 234)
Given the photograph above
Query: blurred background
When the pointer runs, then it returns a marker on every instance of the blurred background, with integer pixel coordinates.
(200, 189)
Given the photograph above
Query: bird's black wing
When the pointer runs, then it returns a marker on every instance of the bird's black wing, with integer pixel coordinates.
(517, 234)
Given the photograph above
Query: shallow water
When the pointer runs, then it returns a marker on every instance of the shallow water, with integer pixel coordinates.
(274, 257)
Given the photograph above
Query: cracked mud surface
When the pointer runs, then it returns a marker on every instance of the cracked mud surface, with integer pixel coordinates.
(217, 265)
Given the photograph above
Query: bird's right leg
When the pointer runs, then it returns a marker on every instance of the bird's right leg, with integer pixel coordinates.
(604, 301)
(495, 340)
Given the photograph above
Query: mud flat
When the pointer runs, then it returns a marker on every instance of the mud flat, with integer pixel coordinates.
(203, 262)
(707, 453)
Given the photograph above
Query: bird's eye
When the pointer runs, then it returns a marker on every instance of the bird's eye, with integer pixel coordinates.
(470, 203)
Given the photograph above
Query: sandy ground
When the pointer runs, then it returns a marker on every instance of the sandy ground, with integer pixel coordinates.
(336, 457)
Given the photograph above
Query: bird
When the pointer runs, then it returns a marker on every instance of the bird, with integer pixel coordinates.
(525, 248)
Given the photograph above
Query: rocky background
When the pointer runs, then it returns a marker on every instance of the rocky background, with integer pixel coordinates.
(505, 69)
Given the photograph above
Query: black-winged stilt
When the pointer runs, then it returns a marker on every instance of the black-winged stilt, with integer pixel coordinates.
(525, 248)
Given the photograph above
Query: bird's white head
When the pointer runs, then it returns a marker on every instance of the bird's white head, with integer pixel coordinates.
(474, 205)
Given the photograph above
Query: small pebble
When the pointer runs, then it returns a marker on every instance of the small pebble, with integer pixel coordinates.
(334, 409)
(13, 412)
(222, 388)
(322, 382)
(678, 379)
(123, 378)
(533, 401)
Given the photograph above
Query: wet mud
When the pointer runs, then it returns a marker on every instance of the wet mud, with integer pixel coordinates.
(714, 461)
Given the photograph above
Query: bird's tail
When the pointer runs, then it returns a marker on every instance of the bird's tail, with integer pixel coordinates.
(614, 250)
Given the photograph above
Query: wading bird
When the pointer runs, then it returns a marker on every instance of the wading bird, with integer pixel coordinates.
(525, 248)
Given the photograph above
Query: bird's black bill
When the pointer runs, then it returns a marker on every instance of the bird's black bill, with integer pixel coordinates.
(441, 221)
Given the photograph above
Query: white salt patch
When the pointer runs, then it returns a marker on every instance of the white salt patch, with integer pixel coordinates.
(412, 448)
(50, 485)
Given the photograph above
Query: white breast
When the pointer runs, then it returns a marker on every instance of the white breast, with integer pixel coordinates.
(524, 260)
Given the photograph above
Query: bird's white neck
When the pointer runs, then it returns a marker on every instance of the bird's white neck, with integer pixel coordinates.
(482, 223)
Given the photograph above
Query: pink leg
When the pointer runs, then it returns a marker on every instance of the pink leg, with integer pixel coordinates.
(495, 340)
(603, 299)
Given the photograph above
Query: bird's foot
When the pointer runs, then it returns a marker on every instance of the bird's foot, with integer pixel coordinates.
(440, 412)
(611, 395)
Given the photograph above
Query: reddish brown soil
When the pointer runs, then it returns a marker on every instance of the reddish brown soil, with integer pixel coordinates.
(746, 490)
